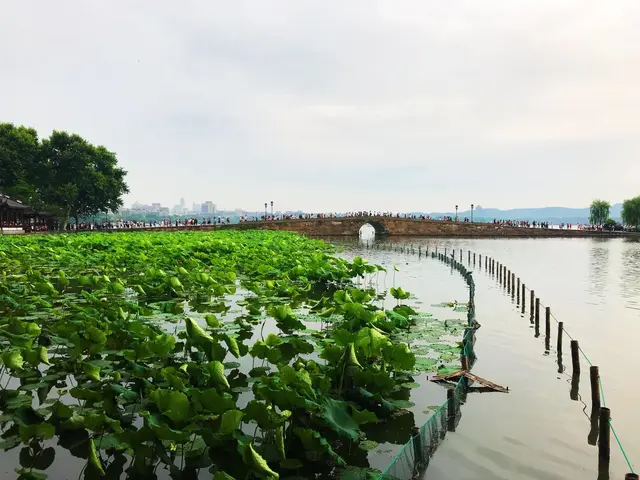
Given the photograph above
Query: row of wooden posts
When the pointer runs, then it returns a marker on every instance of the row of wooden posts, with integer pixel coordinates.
(600, 415)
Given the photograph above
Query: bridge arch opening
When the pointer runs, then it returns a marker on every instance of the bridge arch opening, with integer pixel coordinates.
(372, 229)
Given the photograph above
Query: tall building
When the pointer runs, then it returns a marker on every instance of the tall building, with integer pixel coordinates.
(208, 207)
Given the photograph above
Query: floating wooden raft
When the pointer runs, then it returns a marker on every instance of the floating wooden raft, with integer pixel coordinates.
(487, 386)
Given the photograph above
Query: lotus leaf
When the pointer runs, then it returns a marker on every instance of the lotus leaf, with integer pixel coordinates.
(174, 405)
(336, 416)
(257, 464)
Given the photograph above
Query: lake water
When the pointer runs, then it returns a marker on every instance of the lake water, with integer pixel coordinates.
(536, 431)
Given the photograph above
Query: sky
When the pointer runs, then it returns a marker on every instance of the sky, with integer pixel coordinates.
(338, 106)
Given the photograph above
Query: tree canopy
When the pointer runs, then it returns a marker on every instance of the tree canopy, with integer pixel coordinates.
(599, 212)
(631, 212)
(63, 173)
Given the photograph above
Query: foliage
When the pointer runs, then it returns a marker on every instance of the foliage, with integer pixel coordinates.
(130, 341)
(63, 173)
(599, 212)
(631, 212)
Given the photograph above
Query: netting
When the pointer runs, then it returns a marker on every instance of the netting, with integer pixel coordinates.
(415, 455)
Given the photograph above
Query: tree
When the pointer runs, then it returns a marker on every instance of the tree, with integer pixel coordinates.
(599, 212)
(19, 148)
(631, 212)
(79, 178)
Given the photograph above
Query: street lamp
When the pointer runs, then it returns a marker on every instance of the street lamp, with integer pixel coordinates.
(456, 213)
(472, 213)
(265, 211)
(271, 209)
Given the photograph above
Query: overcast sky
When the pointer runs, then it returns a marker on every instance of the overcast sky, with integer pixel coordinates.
(338, 105)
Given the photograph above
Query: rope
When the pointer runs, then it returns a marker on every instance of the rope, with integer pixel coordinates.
(624, 454)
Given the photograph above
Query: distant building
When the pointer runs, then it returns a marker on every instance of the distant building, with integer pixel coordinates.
(208, 207)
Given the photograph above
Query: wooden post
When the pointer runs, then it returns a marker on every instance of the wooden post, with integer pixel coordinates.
(417, 447)
(559, 344)
(513, 285)
(595, 387)
(419, 251)
(524, 301)
(533, 302)
(575, 356)
(508, 280)
(486, 262)
(474, 258)
(537, 311)
(547, 322)
(604, 440)
(451, 410)
(460, 254)
(469, 257)
(518, 291)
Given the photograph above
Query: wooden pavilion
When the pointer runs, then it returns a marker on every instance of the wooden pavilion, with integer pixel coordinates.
(16, 217)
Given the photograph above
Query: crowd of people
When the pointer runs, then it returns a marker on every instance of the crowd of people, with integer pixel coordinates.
(129, 224)
(26, 226)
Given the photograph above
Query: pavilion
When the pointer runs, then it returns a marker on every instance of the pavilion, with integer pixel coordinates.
(16, 217)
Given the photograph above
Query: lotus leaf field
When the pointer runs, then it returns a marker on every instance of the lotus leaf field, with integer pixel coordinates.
(200, 355)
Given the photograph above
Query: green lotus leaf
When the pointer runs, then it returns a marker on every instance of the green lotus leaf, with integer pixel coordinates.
(273, 340)
(215, 370)
(363, 416)
(399, 356)
(91, 371)
(264, 415)
(13, 359)
(315, 444)
(370, 341)
(230, 421)
(174, 405)
(256, 463)
(93, 461)
(336, 416)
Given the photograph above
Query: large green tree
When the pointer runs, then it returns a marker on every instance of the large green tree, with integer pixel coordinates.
(599, 212)
(64, 173)
(631, 212)
(19, 150)
(81, 179)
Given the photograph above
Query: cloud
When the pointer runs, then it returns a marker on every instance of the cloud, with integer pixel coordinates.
(339, 105)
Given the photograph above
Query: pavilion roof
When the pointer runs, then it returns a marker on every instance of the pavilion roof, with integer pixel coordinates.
(8, 203)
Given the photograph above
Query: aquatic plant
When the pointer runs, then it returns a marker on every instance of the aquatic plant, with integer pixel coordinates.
(138, 351)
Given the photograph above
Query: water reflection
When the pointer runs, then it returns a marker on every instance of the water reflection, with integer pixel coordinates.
(598, 267)
(630, 273)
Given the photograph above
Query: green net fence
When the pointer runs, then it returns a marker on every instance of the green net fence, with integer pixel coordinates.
(414, 457)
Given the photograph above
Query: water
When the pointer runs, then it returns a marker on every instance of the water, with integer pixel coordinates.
(537, 431)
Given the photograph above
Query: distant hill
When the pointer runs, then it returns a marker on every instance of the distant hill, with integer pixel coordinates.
(544, 214)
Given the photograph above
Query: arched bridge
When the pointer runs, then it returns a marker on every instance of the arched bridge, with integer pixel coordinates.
(350, 226)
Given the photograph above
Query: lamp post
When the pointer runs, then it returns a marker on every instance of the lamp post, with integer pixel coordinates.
(472, 213)
(456, 213)
(271, 209)
(265, 211)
